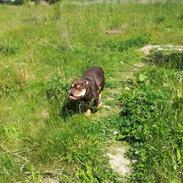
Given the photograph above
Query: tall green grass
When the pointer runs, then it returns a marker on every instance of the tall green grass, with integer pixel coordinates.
(42, 49)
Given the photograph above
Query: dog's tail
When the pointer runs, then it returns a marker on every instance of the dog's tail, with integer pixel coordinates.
(102, 70)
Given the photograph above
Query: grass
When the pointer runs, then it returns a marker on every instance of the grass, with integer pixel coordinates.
(43, 48)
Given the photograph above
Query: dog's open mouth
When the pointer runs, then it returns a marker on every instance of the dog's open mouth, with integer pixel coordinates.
(78, 95)
(74, 97)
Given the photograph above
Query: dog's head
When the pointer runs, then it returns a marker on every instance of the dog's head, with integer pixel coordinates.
(78, 89)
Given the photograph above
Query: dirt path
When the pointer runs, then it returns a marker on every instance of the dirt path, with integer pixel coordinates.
(116, 149)
(113, 93)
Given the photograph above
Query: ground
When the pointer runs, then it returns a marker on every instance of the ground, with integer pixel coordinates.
(43, 49)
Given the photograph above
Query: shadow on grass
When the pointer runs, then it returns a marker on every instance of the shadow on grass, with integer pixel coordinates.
(69, 108)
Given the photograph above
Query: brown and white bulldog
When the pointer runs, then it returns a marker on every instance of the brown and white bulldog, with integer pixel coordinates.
(89, 87)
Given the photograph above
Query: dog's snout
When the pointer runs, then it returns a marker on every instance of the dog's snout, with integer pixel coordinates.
(71, 94)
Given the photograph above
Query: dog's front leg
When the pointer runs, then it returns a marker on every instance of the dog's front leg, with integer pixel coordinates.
(87, 108)
(97, 101)
(99, 104)
(88, 112)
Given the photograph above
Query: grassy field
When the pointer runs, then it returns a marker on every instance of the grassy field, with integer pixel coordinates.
(43, 48)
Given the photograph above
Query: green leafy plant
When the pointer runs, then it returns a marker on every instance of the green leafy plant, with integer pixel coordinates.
(148, 123)
(56, 88)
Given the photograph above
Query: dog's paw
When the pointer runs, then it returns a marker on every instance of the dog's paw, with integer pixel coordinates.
(99, 105)
(88, 112)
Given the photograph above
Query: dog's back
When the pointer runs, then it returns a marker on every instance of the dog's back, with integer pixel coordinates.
(97, 75)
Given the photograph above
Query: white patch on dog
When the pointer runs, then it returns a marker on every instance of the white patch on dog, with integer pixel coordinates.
(81, 94)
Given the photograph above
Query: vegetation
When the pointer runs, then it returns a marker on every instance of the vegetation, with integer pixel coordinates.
(151, 121)
(43, 48)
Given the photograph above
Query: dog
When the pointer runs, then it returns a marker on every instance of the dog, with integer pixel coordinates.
(89, 87)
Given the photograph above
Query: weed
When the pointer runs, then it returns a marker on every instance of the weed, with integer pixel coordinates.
(160, 19)
(56, 88)
(10, 47)
(125, 45)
